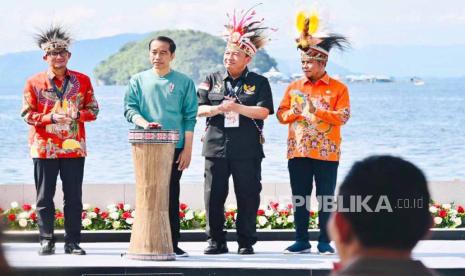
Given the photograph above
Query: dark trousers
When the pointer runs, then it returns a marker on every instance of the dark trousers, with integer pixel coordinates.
(71, 172)
(174, 199)
(301, 172)
(246, 175)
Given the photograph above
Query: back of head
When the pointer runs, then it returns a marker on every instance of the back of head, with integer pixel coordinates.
(400, 215)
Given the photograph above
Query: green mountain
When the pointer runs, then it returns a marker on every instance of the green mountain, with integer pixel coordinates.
(197, 54)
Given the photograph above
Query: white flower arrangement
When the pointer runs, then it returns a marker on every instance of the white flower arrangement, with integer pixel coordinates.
(116, 224)
(22, 222)
(86, 222)
(189, 215)
(114, 215)
(262, 220)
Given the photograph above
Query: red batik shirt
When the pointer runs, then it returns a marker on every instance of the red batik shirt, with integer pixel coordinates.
(51, 140)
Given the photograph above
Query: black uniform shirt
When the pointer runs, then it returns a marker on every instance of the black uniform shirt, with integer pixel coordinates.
(237, 142)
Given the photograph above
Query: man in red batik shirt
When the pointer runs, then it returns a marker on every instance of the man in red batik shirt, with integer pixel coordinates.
(56, 104)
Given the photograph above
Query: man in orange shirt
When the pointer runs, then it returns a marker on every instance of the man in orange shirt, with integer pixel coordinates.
(314, 107)
(56, 104)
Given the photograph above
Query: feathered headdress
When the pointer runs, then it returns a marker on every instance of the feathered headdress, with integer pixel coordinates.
(313, 41)
(246, 33)
(53, 38)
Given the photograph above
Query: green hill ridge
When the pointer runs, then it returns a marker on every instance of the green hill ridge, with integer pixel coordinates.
(197, 54)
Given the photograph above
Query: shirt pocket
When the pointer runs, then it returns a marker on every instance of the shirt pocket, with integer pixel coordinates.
(248, 99)
(329, 99)
(215, 98)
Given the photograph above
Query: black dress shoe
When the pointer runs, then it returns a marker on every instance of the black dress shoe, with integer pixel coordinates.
(47, 247)
(216, 248)
(245, 250)
(180, 253)
(74, 248)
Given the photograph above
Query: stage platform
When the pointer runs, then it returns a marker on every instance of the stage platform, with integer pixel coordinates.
(447, 257)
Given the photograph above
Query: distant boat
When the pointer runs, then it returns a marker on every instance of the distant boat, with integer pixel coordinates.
(369, 78)
(417, 81)
(384, 78)
(275, 76)
(297, 76)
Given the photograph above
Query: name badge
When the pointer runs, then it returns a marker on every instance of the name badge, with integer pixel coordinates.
(231, 119)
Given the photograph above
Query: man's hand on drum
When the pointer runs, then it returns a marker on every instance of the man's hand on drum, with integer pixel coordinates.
(153, 125)
(184, 159)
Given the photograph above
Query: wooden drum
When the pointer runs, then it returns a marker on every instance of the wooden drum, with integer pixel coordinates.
(152, 152)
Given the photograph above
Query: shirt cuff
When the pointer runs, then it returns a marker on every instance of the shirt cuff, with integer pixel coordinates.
(189, 126)
(135, 117)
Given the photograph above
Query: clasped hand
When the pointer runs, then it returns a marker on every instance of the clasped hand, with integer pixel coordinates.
(229, 104)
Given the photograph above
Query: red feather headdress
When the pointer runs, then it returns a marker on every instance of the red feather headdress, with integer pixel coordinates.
(246, 33)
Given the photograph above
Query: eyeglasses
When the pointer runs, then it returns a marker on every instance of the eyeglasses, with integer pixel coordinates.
(63, 53)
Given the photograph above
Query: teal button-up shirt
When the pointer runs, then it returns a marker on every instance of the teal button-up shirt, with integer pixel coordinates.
(170, 100)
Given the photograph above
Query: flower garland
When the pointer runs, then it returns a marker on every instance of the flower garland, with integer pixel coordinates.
(275, 215)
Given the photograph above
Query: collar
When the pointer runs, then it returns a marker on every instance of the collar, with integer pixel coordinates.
(52, 76)
(324, 79)
(164, 76)
(244, 74)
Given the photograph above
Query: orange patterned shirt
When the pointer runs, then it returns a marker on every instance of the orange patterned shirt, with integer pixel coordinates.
(316, 135)
(52, 140)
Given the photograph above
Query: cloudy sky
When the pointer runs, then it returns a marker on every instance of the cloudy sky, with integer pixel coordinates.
(366, 22)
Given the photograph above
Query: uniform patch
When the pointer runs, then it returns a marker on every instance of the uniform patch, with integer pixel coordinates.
(217, 87)
(204, 86)
(249, 89)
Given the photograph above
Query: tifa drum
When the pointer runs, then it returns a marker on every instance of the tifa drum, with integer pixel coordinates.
(153, 153)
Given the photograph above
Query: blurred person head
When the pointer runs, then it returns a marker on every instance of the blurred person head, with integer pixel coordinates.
(387, 232)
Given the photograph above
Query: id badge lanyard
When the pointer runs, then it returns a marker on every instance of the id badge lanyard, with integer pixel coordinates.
(60, 94)
(234, 92)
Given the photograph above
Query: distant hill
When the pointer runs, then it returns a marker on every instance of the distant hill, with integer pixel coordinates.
(397, 61)
(15, 68)
(197, 54)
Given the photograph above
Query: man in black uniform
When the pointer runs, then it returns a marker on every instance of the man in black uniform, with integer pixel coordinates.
(235, 103)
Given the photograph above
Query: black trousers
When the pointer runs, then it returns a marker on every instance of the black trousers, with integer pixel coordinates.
(174, 199)
(301, 172)
(246, 175)
(71, 172)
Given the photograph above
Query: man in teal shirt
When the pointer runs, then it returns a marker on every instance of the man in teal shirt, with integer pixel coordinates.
(162, 97)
